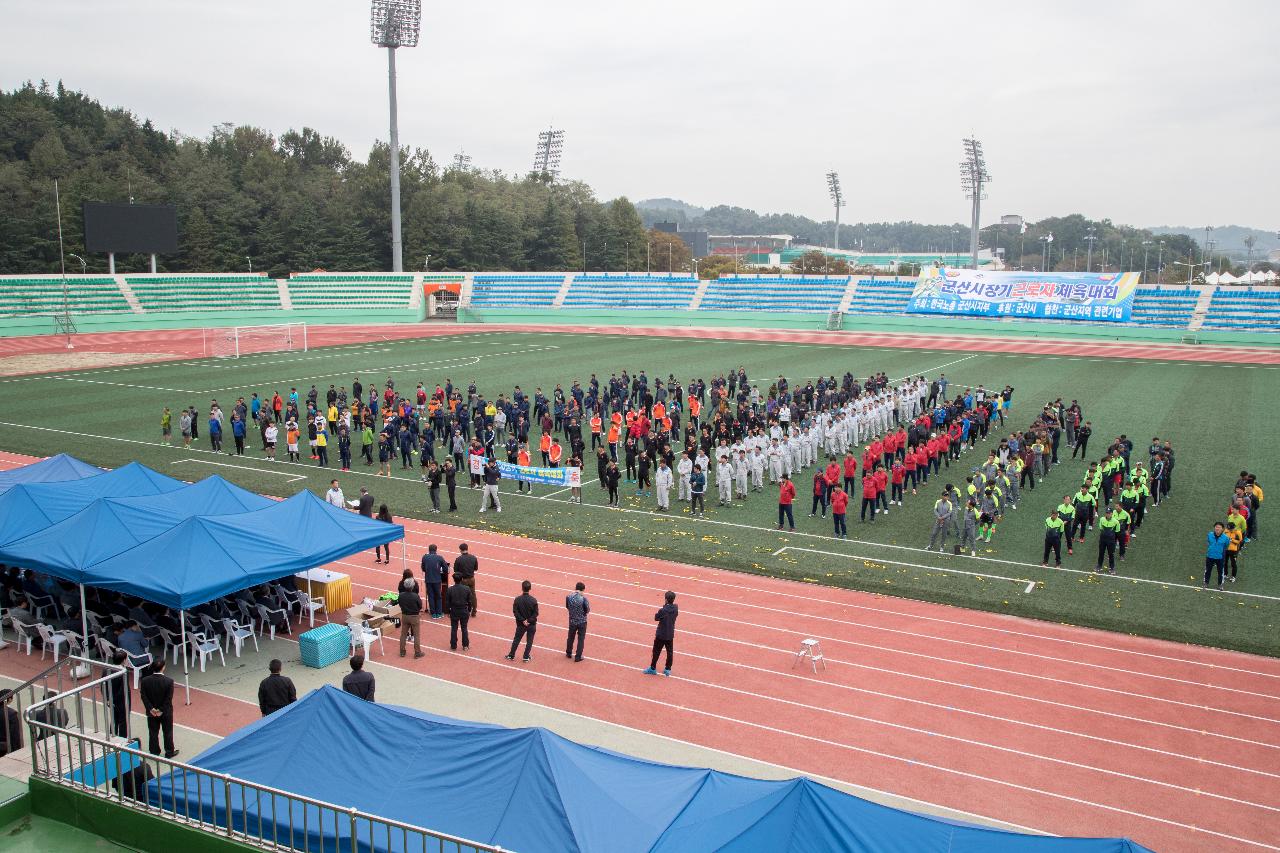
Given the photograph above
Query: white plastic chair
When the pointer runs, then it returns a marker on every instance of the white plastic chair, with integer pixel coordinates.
(265, 613)
(171, 641)
(310, 604)
(204, 647)
(238, 633)
(364, 636)
(41, 605)
(51, 639)
(24, 632)
(248, 616)
(107, 651)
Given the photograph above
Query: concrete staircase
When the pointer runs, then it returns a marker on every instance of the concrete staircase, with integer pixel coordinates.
(286, 300)
(464, 294)
(699, 294)
(850, 291)
(563, 293)
(129, 296)
(1201, 310)
(415, 295)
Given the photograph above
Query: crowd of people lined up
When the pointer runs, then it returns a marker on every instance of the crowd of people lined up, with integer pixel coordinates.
(1227, 541)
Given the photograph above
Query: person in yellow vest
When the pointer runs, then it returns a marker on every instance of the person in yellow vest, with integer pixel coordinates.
(597, 424)
(1054, 527)
(544, 445)
(522, 459)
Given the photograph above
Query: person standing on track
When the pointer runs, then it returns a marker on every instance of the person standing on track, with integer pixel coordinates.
(665, 635)
(434, 571)
(578, 606)
(525, 609)
(464, 572)
(460, 599)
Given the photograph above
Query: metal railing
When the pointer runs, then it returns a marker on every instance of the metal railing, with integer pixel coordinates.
(258, 815)
(59, 685)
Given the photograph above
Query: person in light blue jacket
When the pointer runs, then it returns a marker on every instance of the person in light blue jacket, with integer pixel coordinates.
(1215, 552)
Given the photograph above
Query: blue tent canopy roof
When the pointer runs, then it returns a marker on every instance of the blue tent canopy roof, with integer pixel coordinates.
(108, 526)
(29, 507)
(51, 470)
(204, 557)
(534, 791)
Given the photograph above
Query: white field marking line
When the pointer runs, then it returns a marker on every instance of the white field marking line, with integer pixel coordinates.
(558, 491)
(939, 367)
(1031, 585)
(935, 658)
(850, 688)
(453, 363)
(771, 730)
(684, 743)
(292, 477)
(593, 560)
(122, 384)
(655, 515)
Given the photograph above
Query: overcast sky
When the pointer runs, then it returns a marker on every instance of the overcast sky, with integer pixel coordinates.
(1149, 113)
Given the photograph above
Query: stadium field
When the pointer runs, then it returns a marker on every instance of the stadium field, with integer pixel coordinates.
(1218, 415)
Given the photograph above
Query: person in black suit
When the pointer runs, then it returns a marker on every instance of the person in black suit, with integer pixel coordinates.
(525, 609)
(120, 696)
(464, 572)
(358, 682)
(434, 572)
(459, 600)
(10, 726)
(275, 691)
(157, 699)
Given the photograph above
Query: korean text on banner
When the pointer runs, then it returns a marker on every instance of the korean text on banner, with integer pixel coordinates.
(1105, 297)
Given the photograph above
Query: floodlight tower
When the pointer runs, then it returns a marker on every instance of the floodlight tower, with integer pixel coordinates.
(462, 161)
(392, 24)
(546, 158)
(1092, 236)
(973, 177)
(837, 199)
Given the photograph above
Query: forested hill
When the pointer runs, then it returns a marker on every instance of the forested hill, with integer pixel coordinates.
(293, 202)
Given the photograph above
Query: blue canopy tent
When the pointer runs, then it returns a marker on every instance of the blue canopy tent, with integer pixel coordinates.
(534, 791)
(26, 508)
(51, 470)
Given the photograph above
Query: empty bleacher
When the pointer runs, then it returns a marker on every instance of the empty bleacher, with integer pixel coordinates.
(630, 291)
(34, 297)
(1164, 306)
(204, 292)
(775, 293)
(881, 296)
(1244, 310)
(351, 291)
(516, 290)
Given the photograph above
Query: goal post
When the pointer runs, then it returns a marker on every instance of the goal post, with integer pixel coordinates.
(236, 341)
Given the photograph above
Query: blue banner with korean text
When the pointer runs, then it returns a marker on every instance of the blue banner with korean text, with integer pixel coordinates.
(567, 477)
(1097, 297)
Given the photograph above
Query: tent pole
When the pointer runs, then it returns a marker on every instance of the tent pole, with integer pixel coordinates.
(186, 676)
(84, 622)
(404, 553)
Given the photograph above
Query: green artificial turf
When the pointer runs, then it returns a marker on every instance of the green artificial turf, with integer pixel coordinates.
(1220, 419)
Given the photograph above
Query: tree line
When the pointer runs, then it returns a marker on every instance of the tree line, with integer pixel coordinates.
(299, 201)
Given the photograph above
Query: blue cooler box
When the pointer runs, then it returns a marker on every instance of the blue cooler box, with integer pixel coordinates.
(325, 645)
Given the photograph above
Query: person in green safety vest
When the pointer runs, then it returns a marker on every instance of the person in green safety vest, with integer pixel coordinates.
(1123, 536)
(1053, 530)
(1067, 512)
(969, 531)
(1109, 526)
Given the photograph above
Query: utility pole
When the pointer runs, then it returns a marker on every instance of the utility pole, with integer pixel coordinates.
(1092, 236)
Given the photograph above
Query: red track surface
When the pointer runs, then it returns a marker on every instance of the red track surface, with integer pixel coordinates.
(189, 343)
(1062, 729)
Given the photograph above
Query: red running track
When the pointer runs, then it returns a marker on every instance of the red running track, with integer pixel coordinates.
(166, 344)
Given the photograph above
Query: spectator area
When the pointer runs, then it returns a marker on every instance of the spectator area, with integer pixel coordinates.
(631, 291)
(43, 296)
(515, 289)
(361, 291)
(881, 296)
(204, 292)
(1164, 306)
(775, 293)
(1247, 310)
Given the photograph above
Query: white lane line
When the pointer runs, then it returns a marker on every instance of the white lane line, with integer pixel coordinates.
(292, 477)
(123, 384)
(558, 491)
(1031, 585)
(939, 367)
(788, 655)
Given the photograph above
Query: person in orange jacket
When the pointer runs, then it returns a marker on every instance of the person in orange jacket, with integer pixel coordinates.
(544, 446)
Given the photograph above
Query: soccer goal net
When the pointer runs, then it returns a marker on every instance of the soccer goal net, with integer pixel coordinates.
(246, 340)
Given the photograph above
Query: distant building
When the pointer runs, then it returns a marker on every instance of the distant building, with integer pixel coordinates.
(695, 240)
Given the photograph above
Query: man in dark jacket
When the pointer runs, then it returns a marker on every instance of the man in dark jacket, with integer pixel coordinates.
(410, 615)
(156, 690)
(525, 609)
(275, 691)
(434, 571)
(578, 608)
(664, 637)
(464, 571)
(459, 600)
(10, 726)
(358, 682)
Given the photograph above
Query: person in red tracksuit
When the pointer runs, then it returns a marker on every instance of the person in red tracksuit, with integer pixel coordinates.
(868, 462)
(882, 487)
(819, 494)
(876, 450)
(944, 447)
(868, 495)
(839, 506)
(786, 494)
(909, 468)
(888, 448)
(922, 462)
(850, 472)
(900, 443)
(897, 474)
(831, 476)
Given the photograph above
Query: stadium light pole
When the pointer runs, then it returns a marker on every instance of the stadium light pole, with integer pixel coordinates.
(1160, 264)
(1092, 236)
(837, 199)
(250, 260)
(973, 177)
(393, 24)
(546, 157)
(84, 267)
